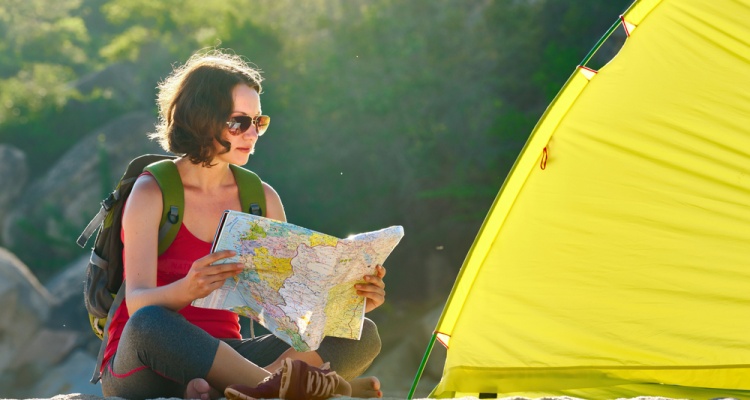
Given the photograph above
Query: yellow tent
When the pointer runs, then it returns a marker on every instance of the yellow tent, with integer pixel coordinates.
(615, 261)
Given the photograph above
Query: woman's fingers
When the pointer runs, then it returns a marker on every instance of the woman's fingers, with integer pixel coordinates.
(376, 279)
(374, 289)
(374, 298)
(205, 265)
(380, 271)
(213, 257)
(367, 288)
(208, 277)
(222, 272)
(224, 269)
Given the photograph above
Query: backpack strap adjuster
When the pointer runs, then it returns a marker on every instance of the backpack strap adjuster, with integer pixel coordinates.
(174, 214)
(110, 200)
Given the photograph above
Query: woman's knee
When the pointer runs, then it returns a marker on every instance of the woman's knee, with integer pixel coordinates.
(149, 322)
(370, 338)
(350, 358)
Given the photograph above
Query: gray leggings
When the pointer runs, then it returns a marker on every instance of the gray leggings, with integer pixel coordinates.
(160, 352)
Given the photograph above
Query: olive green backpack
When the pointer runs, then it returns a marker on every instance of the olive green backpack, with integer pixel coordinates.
(104, 288)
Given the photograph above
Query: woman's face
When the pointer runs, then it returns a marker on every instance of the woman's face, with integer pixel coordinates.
(246, 102)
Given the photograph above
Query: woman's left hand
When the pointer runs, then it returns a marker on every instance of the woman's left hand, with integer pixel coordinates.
(374, 289)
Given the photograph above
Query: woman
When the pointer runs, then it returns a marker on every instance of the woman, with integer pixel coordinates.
(159, 345)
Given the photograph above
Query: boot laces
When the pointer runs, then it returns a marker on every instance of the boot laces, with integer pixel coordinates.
(320, 384)
(269, 377)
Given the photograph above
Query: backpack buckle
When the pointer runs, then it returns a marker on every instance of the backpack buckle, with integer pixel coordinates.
(110, 200)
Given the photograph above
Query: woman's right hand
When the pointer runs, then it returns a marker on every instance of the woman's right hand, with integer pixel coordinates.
(203, 278)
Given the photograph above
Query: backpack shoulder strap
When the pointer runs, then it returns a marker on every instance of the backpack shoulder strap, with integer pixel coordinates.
(252, 196)
(166, 175)
(135, 168)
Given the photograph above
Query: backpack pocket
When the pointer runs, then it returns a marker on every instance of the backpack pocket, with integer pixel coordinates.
(96, 295)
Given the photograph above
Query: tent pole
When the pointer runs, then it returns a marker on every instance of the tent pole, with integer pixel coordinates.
(600, 42)
(421, 367)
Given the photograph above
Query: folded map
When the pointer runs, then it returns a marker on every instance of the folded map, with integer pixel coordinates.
(297, 283)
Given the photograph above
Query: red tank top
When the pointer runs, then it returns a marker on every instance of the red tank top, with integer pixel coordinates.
(173, 265)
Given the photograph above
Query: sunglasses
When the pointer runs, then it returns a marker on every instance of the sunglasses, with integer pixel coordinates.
(241, 123)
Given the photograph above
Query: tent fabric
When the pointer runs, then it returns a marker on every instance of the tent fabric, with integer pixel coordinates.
(615, 260)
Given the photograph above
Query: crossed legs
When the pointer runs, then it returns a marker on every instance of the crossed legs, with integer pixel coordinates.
(160, 354)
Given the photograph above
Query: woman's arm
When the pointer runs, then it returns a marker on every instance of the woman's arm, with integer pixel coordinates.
(140, 222)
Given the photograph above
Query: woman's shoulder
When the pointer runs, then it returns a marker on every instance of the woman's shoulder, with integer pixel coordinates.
(274, 206)
(268, 189)
(146, 193)
(146, 184)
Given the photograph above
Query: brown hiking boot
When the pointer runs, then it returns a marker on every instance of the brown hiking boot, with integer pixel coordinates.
(295, 380)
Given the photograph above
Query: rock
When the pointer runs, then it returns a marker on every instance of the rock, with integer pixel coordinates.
(69, 312)
(25, 304)
(43, 225)
(60, 353)
(69, 282)
(14, 171)
(47, 348)
(71, 376)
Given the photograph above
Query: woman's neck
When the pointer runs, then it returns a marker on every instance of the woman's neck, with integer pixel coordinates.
(205, 179)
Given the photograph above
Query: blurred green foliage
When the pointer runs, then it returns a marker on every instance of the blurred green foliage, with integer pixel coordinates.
(384, 111)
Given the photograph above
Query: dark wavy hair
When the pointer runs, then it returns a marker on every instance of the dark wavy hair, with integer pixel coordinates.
(195, 102)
